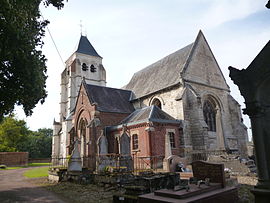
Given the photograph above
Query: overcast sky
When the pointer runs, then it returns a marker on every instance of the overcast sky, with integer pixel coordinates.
(131, 35)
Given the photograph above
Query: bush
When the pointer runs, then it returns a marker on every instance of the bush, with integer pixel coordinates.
(3, 166)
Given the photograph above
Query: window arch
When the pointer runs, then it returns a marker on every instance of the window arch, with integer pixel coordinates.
(172, 139)
(135, 142)
(156, 102)
(209, 114)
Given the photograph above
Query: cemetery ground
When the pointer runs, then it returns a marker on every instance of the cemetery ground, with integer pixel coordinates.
(15, 186)
(78, 193)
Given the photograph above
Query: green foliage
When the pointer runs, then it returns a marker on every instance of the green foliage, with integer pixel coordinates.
(22, 64)
(3, 166)
(16, 137)
(13, 134)
(40, 143)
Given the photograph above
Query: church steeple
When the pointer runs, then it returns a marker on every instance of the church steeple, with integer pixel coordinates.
(85, 47)
(85, 63)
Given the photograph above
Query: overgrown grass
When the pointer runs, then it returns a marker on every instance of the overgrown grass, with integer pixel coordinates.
(36, 172)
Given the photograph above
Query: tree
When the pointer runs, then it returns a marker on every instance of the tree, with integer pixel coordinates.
(22, 64)
(13, 134)
(16, 137)
(39, 144)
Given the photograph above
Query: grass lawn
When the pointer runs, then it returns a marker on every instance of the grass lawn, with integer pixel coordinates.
(14, 167)
(29, 165)
(36, 172)
(39, 164)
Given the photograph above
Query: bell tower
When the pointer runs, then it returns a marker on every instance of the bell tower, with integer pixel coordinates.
(85, 63)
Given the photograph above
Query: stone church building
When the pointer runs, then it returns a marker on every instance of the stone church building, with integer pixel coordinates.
(182, 99)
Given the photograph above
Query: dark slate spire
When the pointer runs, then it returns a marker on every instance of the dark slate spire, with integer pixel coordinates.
(85, 47)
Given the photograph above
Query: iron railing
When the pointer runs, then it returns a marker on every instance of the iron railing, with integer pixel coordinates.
(113, 162)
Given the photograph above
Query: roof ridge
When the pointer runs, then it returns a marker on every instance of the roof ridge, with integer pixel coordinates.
(151, 65)
(195, 43)
(151, 112)
(108, 87)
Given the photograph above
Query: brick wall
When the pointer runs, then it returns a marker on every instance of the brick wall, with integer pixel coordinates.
(14, 158)
(150, 143)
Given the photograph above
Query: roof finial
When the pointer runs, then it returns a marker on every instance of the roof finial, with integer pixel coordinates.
(85, 32)
(81, 26)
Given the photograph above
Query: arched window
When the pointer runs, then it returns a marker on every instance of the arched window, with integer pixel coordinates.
(157, 103)
(172, 139)
(135, 143)
(82, 128)
(209, 114)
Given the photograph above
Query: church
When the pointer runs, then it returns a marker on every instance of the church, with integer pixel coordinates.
(182, 101)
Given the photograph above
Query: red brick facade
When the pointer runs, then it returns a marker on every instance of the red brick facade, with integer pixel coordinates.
(151, 138)
(90, 124)
(85, 111)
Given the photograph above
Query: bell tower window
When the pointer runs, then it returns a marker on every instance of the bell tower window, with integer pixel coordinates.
(93, 68)
(84, 67)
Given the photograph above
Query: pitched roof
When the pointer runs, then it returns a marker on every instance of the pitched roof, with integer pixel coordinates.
(109, 99)
(162, 74)
(85, 47)
(149, 113)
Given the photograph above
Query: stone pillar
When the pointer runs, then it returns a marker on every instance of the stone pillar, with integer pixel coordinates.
(254, 85)
(260, 120)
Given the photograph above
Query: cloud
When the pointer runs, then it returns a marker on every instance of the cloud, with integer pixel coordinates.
(223, 11)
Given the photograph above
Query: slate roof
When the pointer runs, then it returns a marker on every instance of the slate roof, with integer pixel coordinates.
(149, 113)
(109, 99)
(85, 47)
(162, 74)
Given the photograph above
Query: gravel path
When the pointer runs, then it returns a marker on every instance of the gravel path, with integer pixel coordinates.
(14, 187)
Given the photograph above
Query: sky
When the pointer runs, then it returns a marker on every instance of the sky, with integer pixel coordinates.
(131, 35)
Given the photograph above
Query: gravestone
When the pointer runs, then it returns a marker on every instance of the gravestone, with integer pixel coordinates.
(103, 159)
(75, 162)
(125, 158)
(168, 153)
(124, 144)
(215, 172)
(103, 144)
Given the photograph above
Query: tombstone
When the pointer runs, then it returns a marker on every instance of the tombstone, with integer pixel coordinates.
(124, 144)
(168, 153)
(125, 158)
(215, 172)
(75, 162)
(103, 144)
(254, 85)
(103, 160)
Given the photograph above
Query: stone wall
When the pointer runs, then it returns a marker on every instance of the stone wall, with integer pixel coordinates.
(169, 101)
(14, 158)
